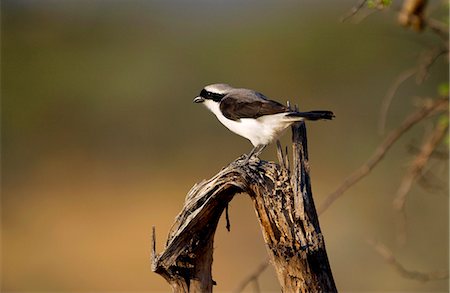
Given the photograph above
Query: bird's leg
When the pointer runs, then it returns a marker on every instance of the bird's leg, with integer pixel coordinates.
(256, 151)
(252, 152)
(259, 150)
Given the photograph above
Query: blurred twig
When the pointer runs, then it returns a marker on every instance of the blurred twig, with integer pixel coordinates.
(366, 14)
(413, 173)
(389, 257)
(431, 183)
(424, 112)
(441, 29)
(437, 154)
(358, 6)
(410, 14)
(428, 59)
(386, 103)
(422, 71)
(253, 277)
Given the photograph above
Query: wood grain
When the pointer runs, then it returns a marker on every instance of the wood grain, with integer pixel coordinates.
(285, 209)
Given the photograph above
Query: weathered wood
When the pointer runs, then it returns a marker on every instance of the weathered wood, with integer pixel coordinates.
(291, 227)
(286, 212)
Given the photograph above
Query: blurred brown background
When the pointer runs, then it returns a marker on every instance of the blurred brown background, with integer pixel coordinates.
(101, 140)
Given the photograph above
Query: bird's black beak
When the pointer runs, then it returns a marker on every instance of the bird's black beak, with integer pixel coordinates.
(199, 100)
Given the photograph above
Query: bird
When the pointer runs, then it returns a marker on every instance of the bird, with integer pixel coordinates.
(252, 115)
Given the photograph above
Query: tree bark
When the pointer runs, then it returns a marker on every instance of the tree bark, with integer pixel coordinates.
(291, 227)
(285, 208)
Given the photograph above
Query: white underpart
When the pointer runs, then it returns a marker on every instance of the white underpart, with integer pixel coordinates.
(262, 130)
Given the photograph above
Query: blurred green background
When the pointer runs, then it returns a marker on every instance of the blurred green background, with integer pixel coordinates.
(101, 140)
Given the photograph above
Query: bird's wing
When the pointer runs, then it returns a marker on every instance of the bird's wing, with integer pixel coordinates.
(249, 104)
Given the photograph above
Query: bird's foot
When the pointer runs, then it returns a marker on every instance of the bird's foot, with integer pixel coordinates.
(246, 159)
(254, 153)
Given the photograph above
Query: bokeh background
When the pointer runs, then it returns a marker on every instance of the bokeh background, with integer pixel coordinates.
(101, 140)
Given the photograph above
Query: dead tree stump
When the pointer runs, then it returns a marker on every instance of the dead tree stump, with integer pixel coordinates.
(285, 208)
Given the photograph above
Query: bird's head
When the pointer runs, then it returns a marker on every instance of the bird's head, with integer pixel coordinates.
(213, 93)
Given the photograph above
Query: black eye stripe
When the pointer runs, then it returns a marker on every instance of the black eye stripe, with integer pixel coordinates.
(211, 96)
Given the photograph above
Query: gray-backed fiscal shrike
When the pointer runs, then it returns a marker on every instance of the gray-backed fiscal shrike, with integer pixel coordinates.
(252, 115)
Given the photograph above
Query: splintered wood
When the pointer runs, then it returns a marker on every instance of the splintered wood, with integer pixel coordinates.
(285, 209)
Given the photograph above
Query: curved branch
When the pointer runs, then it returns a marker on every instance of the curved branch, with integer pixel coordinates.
(286, 213)
(357, 7)
(187, 259)
(411, 175)
(424, 112)
(389, 257)
(387, 100)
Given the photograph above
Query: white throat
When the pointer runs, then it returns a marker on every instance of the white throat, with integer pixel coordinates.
(213, 107)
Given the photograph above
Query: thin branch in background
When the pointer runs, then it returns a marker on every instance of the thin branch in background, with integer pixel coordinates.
(429, 179)
(389, 257)
(440, 28)
(387, 100)
(437, 154)
(256, 287)
(431, 183)
(253, 277)
(422, 72)
(428, 59)
(362, 16)
(425, 111)
(411, 18)
(413, 172)
(358, 6)
(419, 163)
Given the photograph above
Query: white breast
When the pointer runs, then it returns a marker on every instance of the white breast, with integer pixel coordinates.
(262, 130)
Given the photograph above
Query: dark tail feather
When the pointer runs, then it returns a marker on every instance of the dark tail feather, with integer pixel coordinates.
(313, 115)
